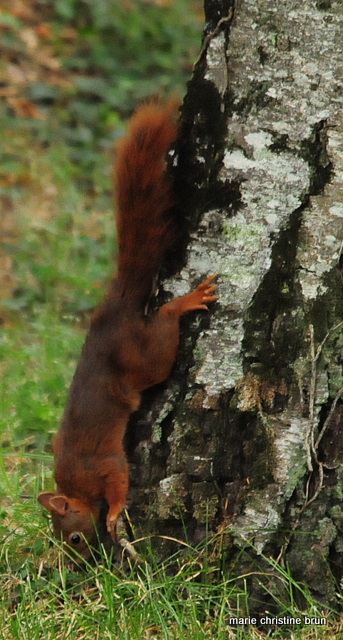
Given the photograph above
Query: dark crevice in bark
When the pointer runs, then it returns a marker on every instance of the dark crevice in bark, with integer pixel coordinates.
(314, 152)
(215, 10)
(256, 98)
(271, 337)
(330, 450)
(200, 152)
(327, 310)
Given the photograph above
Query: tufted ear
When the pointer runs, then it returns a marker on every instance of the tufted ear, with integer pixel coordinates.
(53, 502)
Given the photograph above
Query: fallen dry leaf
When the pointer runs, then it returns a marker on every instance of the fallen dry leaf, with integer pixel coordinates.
(25, 109)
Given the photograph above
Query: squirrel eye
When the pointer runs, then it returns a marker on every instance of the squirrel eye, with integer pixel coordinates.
(75, 538)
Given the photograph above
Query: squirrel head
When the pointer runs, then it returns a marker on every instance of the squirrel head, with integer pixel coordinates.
(74, 522)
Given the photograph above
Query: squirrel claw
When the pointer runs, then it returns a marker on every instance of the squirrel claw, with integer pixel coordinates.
(111, 523)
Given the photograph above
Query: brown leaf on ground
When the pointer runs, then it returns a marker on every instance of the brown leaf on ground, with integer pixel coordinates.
(25, 109)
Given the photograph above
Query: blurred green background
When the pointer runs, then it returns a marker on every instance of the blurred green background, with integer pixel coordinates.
(72, 70)
(71, 73)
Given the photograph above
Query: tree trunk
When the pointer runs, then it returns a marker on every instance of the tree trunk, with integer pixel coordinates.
(247, 434)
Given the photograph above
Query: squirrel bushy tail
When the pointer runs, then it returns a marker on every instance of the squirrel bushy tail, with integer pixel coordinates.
(143, 199)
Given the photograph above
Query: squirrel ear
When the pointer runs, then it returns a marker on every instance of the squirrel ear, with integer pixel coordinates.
(52, 502)
(59, 504)
(44, 499)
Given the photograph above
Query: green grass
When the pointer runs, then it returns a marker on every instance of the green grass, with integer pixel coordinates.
(185, 597)
(138, 602)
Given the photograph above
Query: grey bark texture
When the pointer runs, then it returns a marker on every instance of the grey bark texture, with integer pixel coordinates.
(247, 435)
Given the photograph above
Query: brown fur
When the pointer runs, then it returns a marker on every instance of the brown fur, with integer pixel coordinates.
(124, 353)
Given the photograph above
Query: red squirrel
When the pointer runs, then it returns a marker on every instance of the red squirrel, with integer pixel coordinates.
(125, 351)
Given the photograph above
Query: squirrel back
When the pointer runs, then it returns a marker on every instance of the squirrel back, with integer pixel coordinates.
(144, 197)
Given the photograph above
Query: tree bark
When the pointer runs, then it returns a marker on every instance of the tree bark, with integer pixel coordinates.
(246, 436)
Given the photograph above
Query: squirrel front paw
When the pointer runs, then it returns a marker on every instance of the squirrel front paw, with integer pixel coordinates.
(200, 297)
(204, 292)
